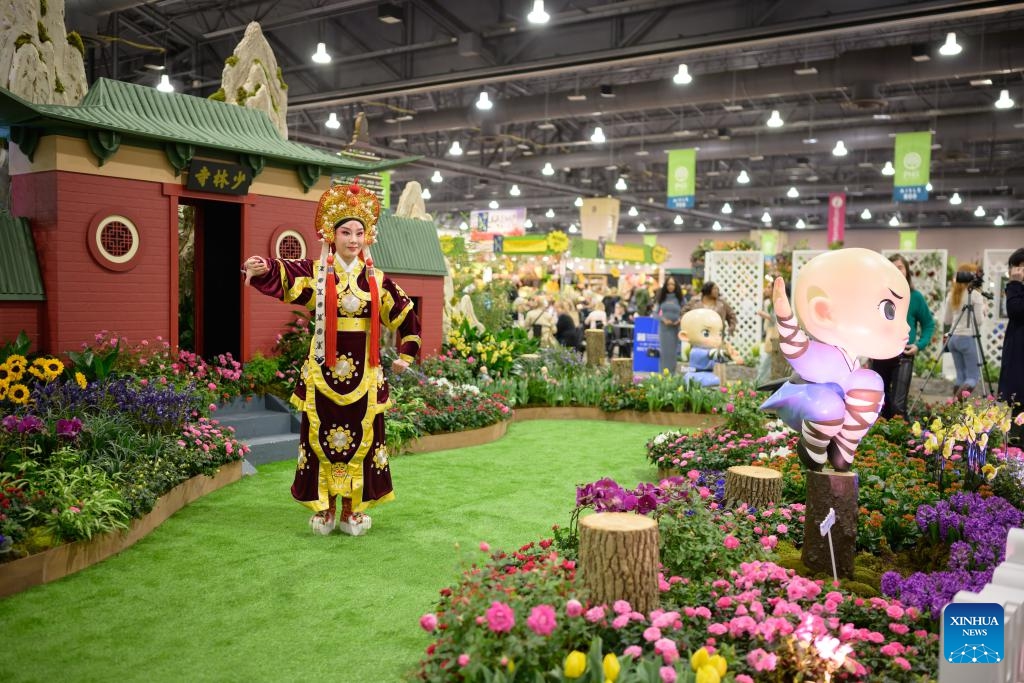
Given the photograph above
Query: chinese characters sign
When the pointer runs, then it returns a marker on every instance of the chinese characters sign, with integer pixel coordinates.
(214, 176)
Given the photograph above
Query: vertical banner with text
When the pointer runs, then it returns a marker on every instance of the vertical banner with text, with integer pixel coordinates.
(682, 165)
(908, 240)
(913, 159)
(836, 217)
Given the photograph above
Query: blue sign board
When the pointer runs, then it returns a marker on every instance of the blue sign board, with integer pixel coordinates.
(910, 193)
(646, 347)
(680, 202)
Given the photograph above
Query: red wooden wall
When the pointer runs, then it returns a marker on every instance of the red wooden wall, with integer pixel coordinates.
(83, 297)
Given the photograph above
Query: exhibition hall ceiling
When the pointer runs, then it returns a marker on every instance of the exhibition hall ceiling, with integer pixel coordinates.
(855, 71)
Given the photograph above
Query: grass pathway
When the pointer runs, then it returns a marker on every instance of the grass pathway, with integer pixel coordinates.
(235, 587)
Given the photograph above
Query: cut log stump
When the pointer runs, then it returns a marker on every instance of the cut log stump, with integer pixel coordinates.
(831, 491)
(622, 371)
(595, 347)
(619, 559)
(758, 487)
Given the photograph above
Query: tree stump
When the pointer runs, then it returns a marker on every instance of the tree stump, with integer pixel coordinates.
(758, 487)
(719, 371)
(619, 559)
(622, 371)
(838, 491)
(595, 347)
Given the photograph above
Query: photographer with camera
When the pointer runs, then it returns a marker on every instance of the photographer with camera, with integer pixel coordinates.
(963, 340)
(1011, 373)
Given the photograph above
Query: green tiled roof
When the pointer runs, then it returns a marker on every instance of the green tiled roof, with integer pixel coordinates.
(408, 245)
(143, 112)
(19, 269)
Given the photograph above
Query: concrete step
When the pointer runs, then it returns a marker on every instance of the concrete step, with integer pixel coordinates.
(255, 424)
(264, 449)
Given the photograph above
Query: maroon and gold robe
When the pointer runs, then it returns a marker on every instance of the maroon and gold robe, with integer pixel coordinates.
(342, 449)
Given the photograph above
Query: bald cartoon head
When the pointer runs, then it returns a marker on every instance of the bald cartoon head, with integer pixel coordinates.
(855, 299)
(702, 327)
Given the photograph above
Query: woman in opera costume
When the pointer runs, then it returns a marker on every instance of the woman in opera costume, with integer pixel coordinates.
(342, 393)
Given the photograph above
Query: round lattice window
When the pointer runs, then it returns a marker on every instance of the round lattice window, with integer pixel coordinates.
(114, 242)
(290, 245)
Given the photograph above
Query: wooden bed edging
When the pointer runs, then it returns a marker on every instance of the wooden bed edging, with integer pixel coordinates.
(450, 440)
(667, 419)
(58, 562)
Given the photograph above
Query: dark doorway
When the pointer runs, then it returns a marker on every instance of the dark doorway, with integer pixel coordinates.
(217, 282)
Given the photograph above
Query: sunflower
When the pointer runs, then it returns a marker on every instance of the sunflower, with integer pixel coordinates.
(5, 374)
(80, 380)
(3, 390)
(37, 370)
(53, 368)
(18, 393)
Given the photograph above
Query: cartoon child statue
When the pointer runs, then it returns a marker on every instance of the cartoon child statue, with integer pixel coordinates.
(853, 302)
(702, 329)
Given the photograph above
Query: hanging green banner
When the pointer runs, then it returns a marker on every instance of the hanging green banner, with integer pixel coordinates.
(385, 186)
(769, 242)
(650, 240)
(908, 240)
(913, 158)
(682, 178)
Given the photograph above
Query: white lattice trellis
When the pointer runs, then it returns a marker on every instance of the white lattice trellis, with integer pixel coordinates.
(993, 328)
(739, 276)
(928, 273)
(800, 259)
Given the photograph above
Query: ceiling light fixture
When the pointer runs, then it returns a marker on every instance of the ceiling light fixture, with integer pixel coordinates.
(578, 203)
(743, 178)
(1004, 101)
(573, 229)
(640, 227)
(321, 56)
(800, 225)
(888, 169)
(726, 208)
(865, 215)
(426, 193)
(550, 213)
(528, 223)
(980, 211)
(805, 71)
(894, 221)
(493, 204)
(682, 76)
(775, 120)
(538, 15)
(999, 220)
(955, 200)
(483, 102)
(165, 84)
(950, 47)
(633, 212)
(929, 187)
(332, 121)
(620, 184)
(456, 149)
(597, 136)
(810, 141)
(514, 191)
(678, 220)
(766, 217)
(716, 226)
(547, 125)
(437, 177)
(792, 192)
(465, 226)
(839, 150)
(548, 169)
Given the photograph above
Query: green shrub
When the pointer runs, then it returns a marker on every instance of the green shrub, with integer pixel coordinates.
(75, 41)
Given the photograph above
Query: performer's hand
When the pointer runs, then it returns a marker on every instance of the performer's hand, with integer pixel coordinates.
(255, 266)
(399, 366)
(780, 300)
(910, 349)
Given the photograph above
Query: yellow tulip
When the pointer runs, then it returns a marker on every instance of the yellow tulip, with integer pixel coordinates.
(916, 429)
(718, 661)
(699, 659)
(575, 664)
(708, 674)
(511, 666)
(611, 668)
(936, 425)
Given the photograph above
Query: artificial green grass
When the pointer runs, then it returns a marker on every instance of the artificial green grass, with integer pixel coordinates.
(235, 587)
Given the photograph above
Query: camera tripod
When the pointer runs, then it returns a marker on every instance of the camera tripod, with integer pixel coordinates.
(972, 323)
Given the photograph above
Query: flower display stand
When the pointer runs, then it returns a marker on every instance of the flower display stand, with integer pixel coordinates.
(452, 440)
(69, 558)
(758, 487)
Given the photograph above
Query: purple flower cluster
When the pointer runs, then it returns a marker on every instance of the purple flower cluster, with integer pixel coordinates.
(976, 529)
(159, 408)
(30, 424)
(605, 495)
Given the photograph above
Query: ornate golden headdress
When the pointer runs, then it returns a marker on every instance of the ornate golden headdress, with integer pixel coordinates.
(345, 202)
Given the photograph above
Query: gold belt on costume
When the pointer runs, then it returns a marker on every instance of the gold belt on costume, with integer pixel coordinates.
(353, 324)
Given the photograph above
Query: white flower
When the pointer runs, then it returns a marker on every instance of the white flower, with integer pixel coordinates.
(659, 439)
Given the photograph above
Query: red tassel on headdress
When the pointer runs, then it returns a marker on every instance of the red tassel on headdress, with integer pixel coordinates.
(371, 281)
(331, 313)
